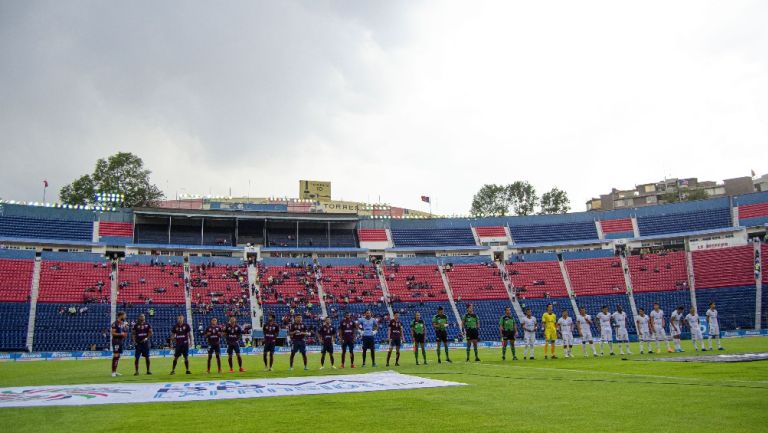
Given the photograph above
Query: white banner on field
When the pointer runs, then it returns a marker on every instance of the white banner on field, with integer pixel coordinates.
(78, 395)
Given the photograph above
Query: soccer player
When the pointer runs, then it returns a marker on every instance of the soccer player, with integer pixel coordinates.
(347, 335)
(529, 325)
(234, 333)
(418, 331)
(693, 321)
(549, 320)
(565, 326)
(326, 334)
(507, 330)
(657, 326)
(676, 326)
(643, 329)
(584, 325)
(119, 332)
(606, 331)
(440, 324)
(472, 328)
(620, 322)
(395, 338)
(369, 327)
(271, 331)
(298, 331)
(180, 336)
(213, 335)
(714, 326)
(142, 332)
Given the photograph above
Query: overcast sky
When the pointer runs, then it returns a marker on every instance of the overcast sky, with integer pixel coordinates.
(389, 99)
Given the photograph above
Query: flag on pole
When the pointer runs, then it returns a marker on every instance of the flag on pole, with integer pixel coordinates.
(753, 173)
(45, 183)
(425, 199)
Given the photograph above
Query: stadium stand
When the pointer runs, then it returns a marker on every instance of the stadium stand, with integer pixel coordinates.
(618, 228)
(600, 276)
(372, 235)
(215, 283)
(735, 306)
(446, 237)
(290, 282)
(695, 220)
(60, 326)
(13, 325)
(15, 276)
(539, 233)
(537, 279)
(753, 209)
(724, 267)
(657, 272)
(74, 278)
(157, 281)
(409, 283)
(39, 228)
(351, 284)
(491, 232)
(476, 281)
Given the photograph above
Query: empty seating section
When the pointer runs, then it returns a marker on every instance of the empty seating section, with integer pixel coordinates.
(409, 283)
(537, 279)
(724, 267)
(372, 235)
(477, 282)
(764, 258)
(281, 284)
(13, 325)
(408, 311)
(735, 306)
(15, 279)
(596, 276)
(753, 214)
(115, 229)
(684, 222)
(491, 232)
(449, 237)
(74, 282)
(655, 272)
(58, 329)
(157, 283)
(224, 284)
(351, 284)
(554, 232)
(489, 313)
(619, 228)
(593, 304)
(38, 228)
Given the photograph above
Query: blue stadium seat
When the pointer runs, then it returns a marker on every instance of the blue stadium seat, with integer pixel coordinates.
(735, 306)
(433, 237)
(13, 325)
(684, 222)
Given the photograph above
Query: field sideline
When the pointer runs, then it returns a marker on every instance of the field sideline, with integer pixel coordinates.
(580, 394)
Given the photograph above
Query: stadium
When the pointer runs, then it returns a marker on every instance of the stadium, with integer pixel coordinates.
(429, 273)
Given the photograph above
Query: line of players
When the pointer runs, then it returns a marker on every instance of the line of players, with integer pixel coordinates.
(650, 328)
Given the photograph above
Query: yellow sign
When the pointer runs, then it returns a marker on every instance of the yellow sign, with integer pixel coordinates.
(314, 190)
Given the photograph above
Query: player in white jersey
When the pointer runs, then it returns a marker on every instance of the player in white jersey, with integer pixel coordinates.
(620, 322)
(606, 329)
(583, 324)
(714, 326)
(565, 328)
(657, 327)
(692, 319)
(529, 325)
(642, 322)
(676, 327)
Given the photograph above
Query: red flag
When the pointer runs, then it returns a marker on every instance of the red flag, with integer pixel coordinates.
(425, 199)
(45, 183)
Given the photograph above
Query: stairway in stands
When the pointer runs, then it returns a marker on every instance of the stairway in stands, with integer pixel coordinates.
(33, 304)
(385, 290)
(256, 310)
(628, 282)
(510, 291)
(188, 302)
(449, 292)
(759, 287)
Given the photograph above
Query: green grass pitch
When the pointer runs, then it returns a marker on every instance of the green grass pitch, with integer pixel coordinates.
(566, 395)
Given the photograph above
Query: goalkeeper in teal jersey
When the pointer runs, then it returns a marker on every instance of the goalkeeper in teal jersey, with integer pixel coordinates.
(418, 330)
(440, 324)
(472, 330)
(507, 330)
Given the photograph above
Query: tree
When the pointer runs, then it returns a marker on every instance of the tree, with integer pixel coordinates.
(122, 173)
(554, 201)
(523, 197)
(490, 200)
(684, 195)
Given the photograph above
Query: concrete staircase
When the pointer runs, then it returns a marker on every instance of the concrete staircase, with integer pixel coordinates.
(321, 295)
(256, 311)
(510, 291)
(568, 287)
(188, 302)
(691, 276)
(628, 282)
(35, 292)
(449, 292)
(759, 291)
(385, 290)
